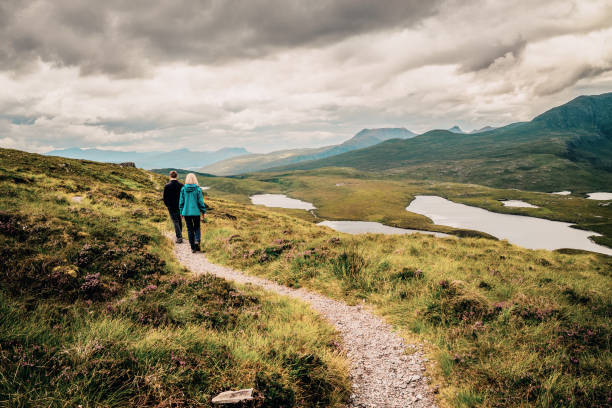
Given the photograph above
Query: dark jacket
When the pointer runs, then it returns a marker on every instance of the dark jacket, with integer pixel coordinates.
(172, 194)
(192, 201)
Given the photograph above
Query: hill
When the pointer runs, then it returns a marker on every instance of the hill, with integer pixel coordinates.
(95, 311)
(183, 158)
(258, 162)
(568, 147)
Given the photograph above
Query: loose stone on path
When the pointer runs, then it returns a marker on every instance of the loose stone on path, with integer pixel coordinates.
(382, 374)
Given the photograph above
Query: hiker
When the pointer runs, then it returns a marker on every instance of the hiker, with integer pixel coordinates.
(191, 204)
(172, 192)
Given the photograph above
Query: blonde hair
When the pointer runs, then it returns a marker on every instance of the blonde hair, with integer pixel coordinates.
(191, 179)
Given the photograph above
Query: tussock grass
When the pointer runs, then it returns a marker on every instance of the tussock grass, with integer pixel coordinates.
(505, 326)
(94, 310)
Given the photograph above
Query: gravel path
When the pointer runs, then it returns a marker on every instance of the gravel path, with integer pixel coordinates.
(382, 374)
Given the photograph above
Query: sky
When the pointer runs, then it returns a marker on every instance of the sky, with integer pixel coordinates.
(276, 74)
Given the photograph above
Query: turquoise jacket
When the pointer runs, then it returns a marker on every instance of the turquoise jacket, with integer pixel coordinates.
(191, 201)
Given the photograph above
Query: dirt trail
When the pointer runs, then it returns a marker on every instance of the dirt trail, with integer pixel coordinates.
(382, 374)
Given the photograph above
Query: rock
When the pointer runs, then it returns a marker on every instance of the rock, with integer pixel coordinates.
(127, 164)
(234, 397)
(414, 378)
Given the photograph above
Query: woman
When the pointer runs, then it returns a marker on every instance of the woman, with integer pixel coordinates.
(191, 205)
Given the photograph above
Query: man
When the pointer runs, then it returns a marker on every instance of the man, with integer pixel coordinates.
(172, 193)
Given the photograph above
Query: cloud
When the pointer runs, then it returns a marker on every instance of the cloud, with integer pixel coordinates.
(269, 75)
(123, 38)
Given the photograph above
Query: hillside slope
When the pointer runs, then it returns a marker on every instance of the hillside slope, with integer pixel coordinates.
(258, 162)
(568, 147)
(94, 310)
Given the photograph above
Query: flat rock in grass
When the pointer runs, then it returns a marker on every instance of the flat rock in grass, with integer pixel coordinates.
(234, 397)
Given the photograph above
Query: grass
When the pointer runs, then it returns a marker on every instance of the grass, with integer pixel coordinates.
(505, 326)
(347, 194)
(95, 311)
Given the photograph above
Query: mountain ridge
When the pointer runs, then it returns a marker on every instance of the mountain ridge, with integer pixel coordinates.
(150, 160)
(568, 147)
(260, 162)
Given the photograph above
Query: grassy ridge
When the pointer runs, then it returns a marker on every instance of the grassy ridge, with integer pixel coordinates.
(94, 311)
(506, 326)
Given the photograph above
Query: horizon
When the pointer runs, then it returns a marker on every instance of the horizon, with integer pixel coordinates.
(122, 78)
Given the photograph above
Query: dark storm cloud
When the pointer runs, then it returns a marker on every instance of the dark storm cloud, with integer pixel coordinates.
(483, 57)
(122, 38)
(128, 126)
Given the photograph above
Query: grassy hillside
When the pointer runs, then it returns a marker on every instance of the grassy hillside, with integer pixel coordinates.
(94, 310)
(258, 162)
(506, 327)
(568, 147)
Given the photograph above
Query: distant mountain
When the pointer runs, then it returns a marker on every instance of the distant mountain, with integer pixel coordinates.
(484, 129)
(181, 158)
(258, 162)
(456, 129)
(568, 147)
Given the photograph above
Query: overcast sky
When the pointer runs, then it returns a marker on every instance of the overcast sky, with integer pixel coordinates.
(272, 74)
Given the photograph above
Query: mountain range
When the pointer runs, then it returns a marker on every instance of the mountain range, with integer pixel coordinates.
(258, 162)
(567, 147)
(181, 158)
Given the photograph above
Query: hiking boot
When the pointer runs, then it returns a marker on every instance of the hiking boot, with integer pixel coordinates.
(198, 249)
(179, 240)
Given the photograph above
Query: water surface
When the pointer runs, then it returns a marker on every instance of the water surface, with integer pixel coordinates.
(280, 201)
(600, 196)
(518, 203)
(528, 232)
(368, 227)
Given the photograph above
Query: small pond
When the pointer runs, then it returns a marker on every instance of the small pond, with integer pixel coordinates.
(599, 196)
(280, 201)
(518, 203)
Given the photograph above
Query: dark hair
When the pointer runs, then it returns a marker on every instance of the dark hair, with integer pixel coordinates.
(173, 174)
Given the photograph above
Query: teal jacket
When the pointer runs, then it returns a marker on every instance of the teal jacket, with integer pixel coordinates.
(191, 201)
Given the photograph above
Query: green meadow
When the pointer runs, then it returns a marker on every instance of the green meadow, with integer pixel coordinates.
(505, 326)
(348, 194)
(95, 311)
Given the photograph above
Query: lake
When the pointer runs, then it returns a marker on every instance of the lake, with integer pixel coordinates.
(369, 227)
(518, 203)
(599, 196)
(280, 201)
(528, 232)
